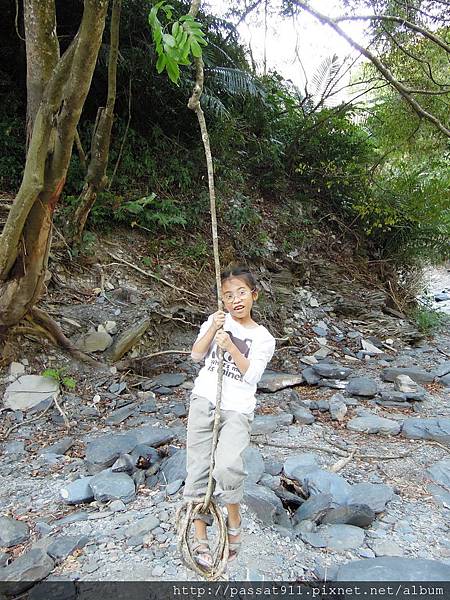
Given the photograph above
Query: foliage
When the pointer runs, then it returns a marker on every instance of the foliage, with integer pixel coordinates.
(151, 212)
(59, 375)
(178, 47)
(428, 320)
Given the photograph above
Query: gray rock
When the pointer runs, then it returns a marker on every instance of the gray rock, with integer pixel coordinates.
(313, 539)
(362, 386)
(65, 545)
(264, 424)
(77, 491)
(341, 537)
(335, 384)
(417, 375)
(3, 559)
(13, 532)
(320, 481)
(314, 508)
(310, 376)
(374, 424)
(442, 369)
(302, 414)
(117, 387)
(179, 410)
(117, 506)
(173, 487)
(95, 341)
(272, 381)
(427, 429)
(359, 515)
(149, 406)
(296, 466)
(113, 486)
(338, 407)
(29, 391)
(174, 467)
(168, 380)
(104, 450)
(142, 527)
(394, 569)
(445, 380)
(60, 447)
(273, 467)
(124, 464)
(25, 571)
(393, 396)
(75, 517)
(439, 473)
(118, 416)
(374, 495)
(411, 389)
(253, 464)
(265, 504)
(386, 548)
(328, 371)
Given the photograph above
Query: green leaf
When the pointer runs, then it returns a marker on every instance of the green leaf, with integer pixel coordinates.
(195, 48)
(69, 383)
(173, 69)
(52, 374)
(169, 40)
(176, 29)
(161, 63)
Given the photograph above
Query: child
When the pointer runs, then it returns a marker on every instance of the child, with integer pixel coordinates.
(247, 348)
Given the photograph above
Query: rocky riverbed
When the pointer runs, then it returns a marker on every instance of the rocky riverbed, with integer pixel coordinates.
(349, 459)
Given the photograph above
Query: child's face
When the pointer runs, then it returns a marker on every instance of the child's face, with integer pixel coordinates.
(238, 297)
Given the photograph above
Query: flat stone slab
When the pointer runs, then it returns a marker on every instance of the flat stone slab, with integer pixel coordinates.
(104, 450)
(394, 569)
(386, 548)
(59, 448)
(320, 481)
(174, 467)
(113, 486)
(25, 571)
(341, 537)
(65, 545)
(329, 371)
(362, 386)
(168, 380)
(297, 465)
(417, 375)
(13, 532)
(264, 424)
(272, 381)
(374, 424)
(142, 526)
(78, 491)
(440, 486)
(359, 515)
(29, 391)
(427, 429)
(374, 495)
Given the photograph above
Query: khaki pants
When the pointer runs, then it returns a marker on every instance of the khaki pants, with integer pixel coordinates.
(234, 437)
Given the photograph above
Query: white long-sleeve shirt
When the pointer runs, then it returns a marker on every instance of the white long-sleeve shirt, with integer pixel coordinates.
(238, 391)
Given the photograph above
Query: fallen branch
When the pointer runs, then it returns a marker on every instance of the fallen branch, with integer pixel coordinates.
(150, 274)
(342, 462)
(307, 447)
(126, 364)
(62, 413)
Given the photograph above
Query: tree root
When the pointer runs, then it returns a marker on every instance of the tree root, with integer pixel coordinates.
(43, 325)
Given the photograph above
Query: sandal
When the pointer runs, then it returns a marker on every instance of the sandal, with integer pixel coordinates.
(234, 547)
(199, 553)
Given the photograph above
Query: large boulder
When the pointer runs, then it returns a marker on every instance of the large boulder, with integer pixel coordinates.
(28, 391)
(374, 424)
(374, 495)
(174, 467)
(417, 375)
(265, 504)
(362, 386)
(253, 464)
(341, 537)
(13, 532)
(320, 481)
(113, 486)
(394, 569)
(433, 428)
(298, 465)
(25, 571)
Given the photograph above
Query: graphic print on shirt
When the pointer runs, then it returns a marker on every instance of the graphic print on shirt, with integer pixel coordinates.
(229, 367)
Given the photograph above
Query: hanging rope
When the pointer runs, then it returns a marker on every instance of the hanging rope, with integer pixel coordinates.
(188, 512)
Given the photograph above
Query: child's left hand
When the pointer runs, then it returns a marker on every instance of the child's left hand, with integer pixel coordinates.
(223, 340)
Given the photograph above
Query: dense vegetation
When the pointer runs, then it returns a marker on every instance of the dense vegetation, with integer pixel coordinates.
(385, 177)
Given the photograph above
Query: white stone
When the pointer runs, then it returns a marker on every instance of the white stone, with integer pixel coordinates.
(111, 327)
(369, 347)
(16, 369)
(28, 391)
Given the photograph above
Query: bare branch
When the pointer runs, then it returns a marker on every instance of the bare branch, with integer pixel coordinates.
(391, 18)
(403, 90)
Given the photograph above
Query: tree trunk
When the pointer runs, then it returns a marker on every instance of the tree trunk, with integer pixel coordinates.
(42, 49)
(96, 179)
(26, 237)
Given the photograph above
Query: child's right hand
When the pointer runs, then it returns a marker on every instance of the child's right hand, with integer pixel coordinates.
(218, 319)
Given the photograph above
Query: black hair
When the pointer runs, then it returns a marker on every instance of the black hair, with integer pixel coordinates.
(240, 272)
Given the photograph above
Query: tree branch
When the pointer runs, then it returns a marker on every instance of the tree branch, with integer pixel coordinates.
(403, 90)
(391, 18)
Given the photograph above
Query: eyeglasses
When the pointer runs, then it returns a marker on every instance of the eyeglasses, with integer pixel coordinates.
(240, 295)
